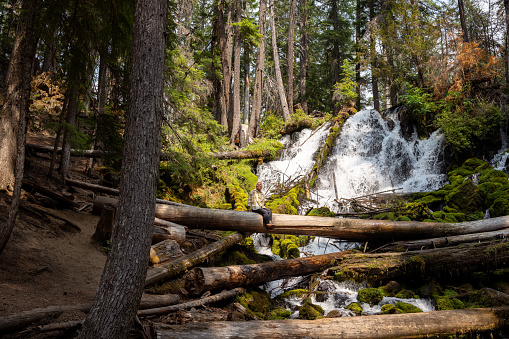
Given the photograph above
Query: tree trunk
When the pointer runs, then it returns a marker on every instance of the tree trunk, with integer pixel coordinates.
(506, 10)
(247, 67)
(451, 262)
(104, 228)
(234, 121)
(410, 325)
(176, 266)
(260, 68)
(119, 292)
(341, 228)
(277, 68)
(72, 111)
(444, 241)
(14, 112)
(374, 78)
(304, 53)
(463, 21)
(224, 36)
(201, 279)
(194, 303)
(357, 49)
(291, 38)
(335, 64)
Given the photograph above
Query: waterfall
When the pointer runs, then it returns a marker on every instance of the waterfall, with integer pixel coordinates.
(369, 156)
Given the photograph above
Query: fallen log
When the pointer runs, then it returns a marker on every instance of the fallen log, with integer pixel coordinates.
(342, 228)
(410, 325)
(100, 201)
(176, 266)
(247, 154)
(194, 303)
(449, 262)
(20, 320)
(32, 187)
(201, 279)
(74, 152)
(443, 241)
(162, 233)
(165, 251)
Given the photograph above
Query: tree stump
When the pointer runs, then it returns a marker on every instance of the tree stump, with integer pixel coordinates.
(104, 228)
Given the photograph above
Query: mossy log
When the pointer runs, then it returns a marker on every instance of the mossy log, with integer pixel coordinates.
(341, 228)
(194, 303)
(443, 241)
(20, 320)
(450, 262)
(250, 154)
(201, 279)
(410, 325)
(173, 267)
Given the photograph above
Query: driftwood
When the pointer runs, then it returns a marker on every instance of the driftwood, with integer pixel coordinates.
(178, 265)
(16, 321)
(410, 325)
(201, 279)
(194, 303)
(32, 187)
(443, 241)
(449, 262)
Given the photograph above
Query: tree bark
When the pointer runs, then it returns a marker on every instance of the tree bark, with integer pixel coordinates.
(234, 121)
(14, 112)
(291, 38)
(104, 228)
(165, 251)
(341, 228)
(374, 78)
(260, 69)
(70, 120)
(195, 303)
(119, 292)
(463, 21)
(335, 64)
(277, 68)
(176, 266)
(201, 279)
(304, 53)
(410, 325)
(451, 262)
(224, 37)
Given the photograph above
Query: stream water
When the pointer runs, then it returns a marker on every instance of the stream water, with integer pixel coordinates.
(369, 156)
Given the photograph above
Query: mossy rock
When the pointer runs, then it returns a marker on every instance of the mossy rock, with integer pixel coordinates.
(500, 207)
(298, 293)
(321, 212)
(493, 175)
(391, 309)
(289, 249)
(403, 218)
(406, 294)
(371, 296)
(408, 308)
(465, 198)
(279, 313)
(487, 189)
(391, 289)
(356, 308)
(256, 301)
(448, 303)
(488, 297)
(310, 311)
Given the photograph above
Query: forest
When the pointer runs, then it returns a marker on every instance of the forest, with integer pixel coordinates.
(157, 116)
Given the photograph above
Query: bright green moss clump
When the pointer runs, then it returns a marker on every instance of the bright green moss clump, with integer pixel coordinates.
(371, 296)
(356, 308)
(310, 311)
(321, 212)
(408, 308)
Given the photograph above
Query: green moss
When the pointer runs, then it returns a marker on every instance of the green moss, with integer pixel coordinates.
(408, 308)
(391, 309)
(444, 303)
(406, 294)
(403, 218)
(371, 296)
(500, 206)
(321, 212)
(298, 293)
(493, 175)
(466, 197)
(279, 313)
(356, 308)
(289, 249)
(310, 311)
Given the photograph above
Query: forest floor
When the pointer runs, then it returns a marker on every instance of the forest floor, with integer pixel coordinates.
(46, 262)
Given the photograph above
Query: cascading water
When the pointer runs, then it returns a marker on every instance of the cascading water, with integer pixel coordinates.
(369, 156)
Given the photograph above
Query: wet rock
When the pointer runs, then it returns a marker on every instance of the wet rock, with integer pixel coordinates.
(338, 314)
(391, 288)
(310, 311)
(356, 308)
(371, 296)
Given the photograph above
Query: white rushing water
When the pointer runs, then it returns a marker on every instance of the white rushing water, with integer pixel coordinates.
(369, 156)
